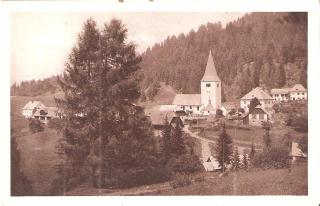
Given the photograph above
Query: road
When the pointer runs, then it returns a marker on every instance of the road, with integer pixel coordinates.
(206, 152)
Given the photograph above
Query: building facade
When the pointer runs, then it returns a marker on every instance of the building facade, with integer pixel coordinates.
(210, 96)
(297, 92)
(264, 98)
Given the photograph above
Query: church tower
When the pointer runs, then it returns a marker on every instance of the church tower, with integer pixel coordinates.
(211, 86)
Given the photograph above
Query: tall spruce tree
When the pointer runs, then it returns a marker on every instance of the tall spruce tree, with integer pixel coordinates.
(235, 161)
(177, 145)
(104, 131)
(223, 148)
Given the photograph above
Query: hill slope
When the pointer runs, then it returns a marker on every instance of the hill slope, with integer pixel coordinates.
(268, 48)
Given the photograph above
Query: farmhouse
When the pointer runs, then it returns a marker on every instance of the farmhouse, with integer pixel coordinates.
(47, 113)
(297, 92)
(158, 119)
(256, 117)
(296, 153)
(209, 100)
(31, 107)
(264, 98)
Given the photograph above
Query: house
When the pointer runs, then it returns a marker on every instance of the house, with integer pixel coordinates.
(256, 117)
(228, 107)
(47, 113)
(30, 108)
(296, 153)
(210, 93)
(158, 119)
(211, 164)
(281, 95)
(264, 98)
(297, 92)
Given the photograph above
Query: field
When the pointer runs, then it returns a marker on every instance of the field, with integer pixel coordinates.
(37, 151)
(274, 181)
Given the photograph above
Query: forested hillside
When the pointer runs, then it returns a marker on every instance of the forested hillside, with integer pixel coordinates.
(35, 87)
(259, 48)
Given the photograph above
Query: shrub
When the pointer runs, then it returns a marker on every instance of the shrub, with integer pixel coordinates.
(273, 157)
(219, 113)
(180, 180)
(56, 124)
(241, 110)
(35, 126)
(186, 163)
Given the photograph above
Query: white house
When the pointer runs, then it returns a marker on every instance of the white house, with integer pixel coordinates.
(296, 152)
(281, 95)
(297, 92)
(264, 98)
(210, 93)
(45, 114)
(31, 107)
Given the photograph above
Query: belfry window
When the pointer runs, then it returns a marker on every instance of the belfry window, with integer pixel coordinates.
(208, 85)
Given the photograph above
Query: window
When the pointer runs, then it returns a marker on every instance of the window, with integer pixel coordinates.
(183, 107)
(217, 85)
(190, 107)
(302, 93)
(261, 116)
(253, 116)
(208, 85)
(198, 108)
(298, 93)
(244, 102)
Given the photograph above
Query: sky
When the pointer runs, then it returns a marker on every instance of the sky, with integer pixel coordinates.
(42, 41)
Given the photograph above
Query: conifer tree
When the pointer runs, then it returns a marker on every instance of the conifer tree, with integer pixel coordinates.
(266, 137)
(245, 162)
(235, 161)
(177, 145)
(104, 130)
(223, 148)
(166, 136)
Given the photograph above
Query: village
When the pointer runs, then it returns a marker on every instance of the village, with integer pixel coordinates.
(196, 113)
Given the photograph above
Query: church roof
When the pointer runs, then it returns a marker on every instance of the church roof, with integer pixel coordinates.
(187, 99)
(210, 73)
(257, 92)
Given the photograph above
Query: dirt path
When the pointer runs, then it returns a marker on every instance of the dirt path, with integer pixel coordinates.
(206, 152)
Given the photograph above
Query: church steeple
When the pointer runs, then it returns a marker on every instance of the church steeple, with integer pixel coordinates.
(210, 74)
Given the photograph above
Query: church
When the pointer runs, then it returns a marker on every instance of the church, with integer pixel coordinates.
(209, 100)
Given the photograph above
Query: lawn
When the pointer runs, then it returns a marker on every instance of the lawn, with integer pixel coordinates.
(38, 158)
(37, 151)
(262, 182)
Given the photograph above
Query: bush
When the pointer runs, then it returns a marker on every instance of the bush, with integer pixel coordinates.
(273, 157)
(35, 126)
(186, 163)
(180, 180)
(56, 124)
(219, 113)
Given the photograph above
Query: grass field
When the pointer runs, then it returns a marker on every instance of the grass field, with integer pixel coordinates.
(263, 182)
(37, 151)
(260, 182)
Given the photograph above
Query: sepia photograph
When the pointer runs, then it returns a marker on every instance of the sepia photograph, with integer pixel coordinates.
(159, 103)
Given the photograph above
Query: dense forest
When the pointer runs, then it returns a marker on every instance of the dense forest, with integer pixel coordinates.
(258, 48)
(35, 87)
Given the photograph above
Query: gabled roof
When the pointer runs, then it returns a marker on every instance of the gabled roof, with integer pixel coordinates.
(47, 111)
(158, 117)
(187, 99)
(257, 92)
(32, 104)
(210, 73)
(298, 88)
(258, 110)
(280, 91)
(296, 151)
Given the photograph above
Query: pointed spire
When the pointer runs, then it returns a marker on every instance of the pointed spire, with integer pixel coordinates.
(210, 74)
